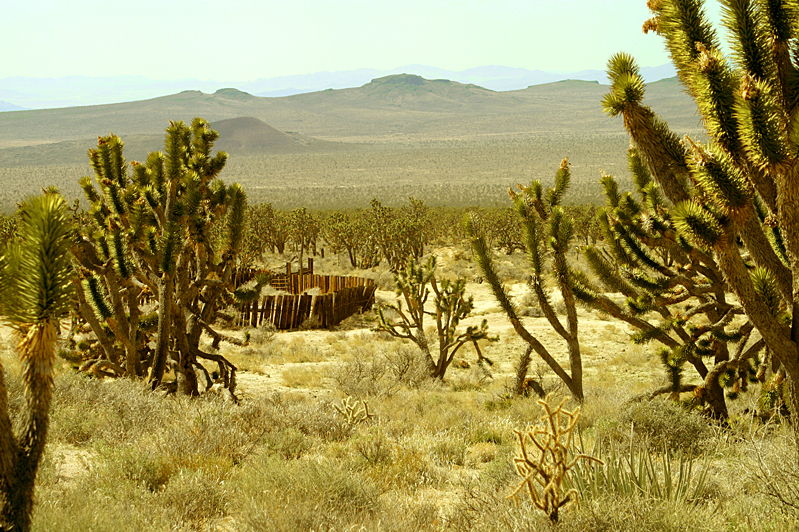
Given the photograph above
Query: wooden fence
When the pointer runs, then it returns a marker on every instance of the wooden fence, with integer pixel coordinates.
(329, 308)
(337, 298)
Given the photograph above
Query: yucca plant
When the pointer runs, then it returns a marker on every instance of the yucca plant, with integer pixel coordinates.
(35, 294)
(168, 231)
(640, 471)
(547, 233)
(734, 196)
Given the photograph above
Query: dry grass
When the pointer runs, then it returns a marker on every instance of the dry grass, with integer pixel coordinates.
(290, 462)
(302, 377)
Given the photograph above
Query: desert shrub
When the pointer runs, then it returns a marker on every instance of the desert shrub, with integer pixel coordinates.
(266, 416)
(289, 443)
(262, 334)
(302, 377)
(360, 377)
(373, 445)
(667, 421)
(528, 305)
(484, 511)
(600, 413)
(382, 373)
(776, 473)
(105, 500)
(87, 409)
(274, 495)
(195, 500)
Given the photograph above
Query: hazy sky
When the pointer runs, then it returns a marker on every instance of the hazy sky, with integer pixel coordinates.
(242, 40)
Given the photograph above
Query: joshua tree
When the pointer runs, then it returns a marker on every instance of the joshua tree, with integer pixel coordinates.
(547, 234)
(303, 230)
(505, 230)
(343, 233)
(266, 228)
(399, 234)
(156, 234)
(675, 293)
(450, 307)
(735, 196)
(417, 225)
(35, 294)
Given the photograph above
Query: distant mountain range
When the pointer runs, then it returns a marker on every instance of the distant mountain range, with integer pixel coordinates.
(385, 109)
(5, 106)
(41, 93)
(446, 142)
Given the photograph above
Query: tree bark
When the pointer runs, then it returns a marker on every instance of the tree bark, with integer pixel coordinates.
(165, 288)
(521, 371)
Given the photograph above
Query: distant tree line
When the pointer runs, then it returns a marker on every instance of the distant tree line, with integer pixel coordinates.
(392, 235)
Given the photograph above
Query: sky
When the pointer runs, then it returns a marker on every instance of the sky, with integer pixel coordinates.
(244, 40)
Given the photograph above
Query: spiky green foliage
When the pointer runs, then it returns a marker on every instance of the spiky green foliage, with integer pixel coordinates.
(37, 276)
(671, 286)
(405, 318)
(767, 290)
(36, 292)
(173, 231)
(547, 235)
(237, 199)
(736, 210)
(699, 225)
(95, 294)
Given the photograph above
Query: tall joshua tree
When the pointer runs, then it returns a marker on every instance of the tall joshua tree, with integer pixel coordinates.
(169, 231)
(735, 196)
(675, 293)
(35, 294)
(547, 234)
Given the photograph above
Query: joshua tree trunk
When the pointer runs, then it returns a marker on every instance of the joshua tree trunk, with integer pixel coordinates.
(165, 290)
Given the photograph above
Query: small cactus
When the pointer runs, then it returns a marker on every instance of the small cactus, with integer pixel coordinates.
(545, 458)
(354, 412)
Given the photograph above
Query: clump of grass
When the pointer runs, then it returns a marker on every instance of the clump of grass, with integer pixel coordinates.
(448, 452)
(481, 453)
(275, 495)
(667, 421)
(302, 377)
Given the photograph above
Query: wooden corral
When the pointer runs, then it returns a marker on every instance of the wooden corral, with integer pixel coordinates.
(336, 298)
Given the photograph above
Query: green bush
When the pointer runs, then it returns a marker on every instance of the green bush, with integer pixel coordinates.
(667, 421)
